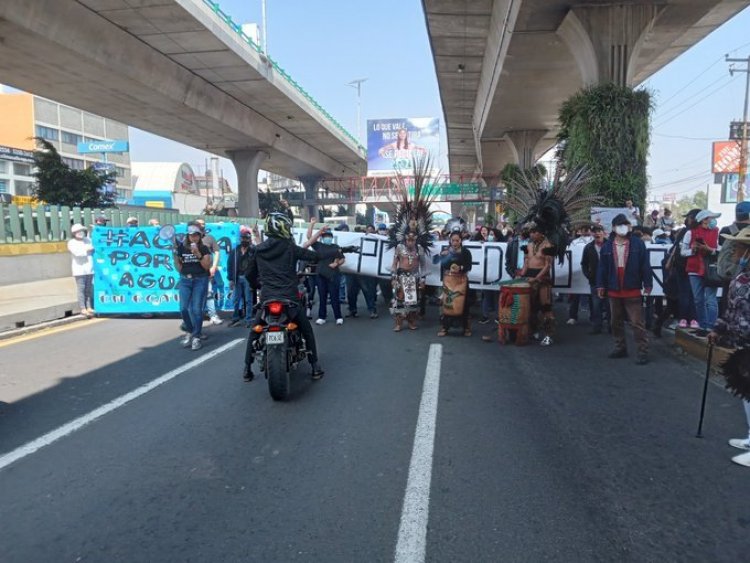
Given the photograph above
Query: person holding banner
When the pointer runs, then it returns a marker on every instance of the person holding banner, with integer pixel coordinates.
(623, 271)
(82, 266)
(193, 261)
(455, 264)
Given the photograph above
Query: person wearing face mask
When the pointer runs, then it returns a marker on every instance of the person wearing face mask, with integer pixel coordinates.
(699, 245)
(237, 268)
(82, 266)
(732, 329)
(455, 264)
(623, 271)
(328, 274)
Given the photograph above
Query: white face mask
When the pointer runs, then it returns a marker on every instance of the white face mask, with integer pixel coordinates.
(621, 230)
(79, 234)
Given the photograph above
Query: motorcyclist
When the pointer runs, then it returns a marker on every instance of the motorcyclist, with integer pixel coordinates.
(273, 268)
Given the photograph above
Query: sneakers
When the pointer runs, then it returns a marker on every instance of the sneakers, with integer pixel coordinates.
(197, 344)
(484, 321)
(320, 322)
(186, 341)
(742, 459)
(616, 354)
(740, 443)
(374, 315)
(547, 341)
(317, 371)
(339, 322)
(571, 322)
(693, 324)
(216, 320)
(308, 312)
(536, 336)
(235, 322)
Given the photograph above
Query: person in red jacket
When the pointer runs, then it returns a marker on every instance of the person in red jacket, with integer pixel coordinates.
(697, 244)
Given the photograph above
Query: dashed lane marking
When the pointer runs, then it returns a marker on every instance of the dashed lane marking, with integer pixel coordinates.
(80, 422)
(412, 531)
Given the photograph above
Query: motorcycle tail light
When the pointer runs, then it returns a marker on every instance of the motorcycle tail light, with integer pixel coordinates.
(291, 326)
(274, 328)
(258, 329)
(275, 308)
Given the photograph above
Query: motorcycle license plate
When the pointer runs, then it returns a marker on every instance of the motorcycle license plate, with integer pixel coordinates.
(274, 338)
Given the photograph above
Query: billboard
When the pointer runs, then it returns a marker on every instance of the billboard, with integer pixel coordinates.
(725, 157)
(730, 184)
(392, 144)
(87, 147)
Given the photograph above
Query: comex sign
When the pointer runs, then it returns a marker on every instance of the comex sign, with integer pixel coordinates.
(102, 146)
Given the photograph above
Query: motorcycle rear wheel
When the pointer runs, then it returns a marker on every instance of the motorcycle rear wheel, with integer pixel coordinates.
(279, 378)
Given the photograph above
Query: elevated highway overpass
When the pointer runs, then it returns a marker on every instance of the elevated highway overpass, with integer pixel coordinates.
(504, 67)
(180, 69)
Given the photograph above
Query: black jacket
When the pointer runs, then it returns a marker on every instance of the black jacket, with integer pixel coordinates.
(273, 267)
(590, 262)
(238, 263)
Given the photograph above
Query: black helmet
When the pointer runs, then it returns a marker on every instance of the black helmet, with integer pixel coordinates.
(278, 225)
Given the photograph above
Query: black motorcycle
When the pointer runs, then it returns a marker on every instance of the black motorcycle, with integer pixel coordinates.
(280, 346)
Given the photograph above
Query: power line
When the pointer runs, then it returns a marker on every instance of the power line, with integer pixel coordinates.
(682, 180)
(711, 93)
(686, 138)
(666, 113)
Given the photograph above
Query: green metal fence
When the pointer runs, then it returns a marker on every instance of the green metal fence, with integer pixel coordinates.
(24, 223)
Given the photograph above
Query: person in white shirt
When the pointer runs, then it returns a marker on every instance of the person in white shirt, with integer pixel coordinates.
(82, 266)
(632, 212)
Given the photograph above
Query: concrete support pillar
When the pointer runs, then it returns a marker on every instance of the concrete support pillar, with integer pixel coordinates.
(606, 40)
(523, 144)
(247, 164)
(310, 183)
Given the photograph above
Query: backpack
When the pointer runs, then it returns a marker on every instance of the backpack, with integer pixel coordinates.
(726, 267)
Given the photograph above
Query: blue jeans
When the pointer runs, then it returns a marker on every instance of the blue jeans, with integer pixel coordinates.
(243, 295)
(489, 303)
(192, 301)
(368, 287)
(85, 288)
(328, 287)
(706, 304)
(599, 308)
(685, 297)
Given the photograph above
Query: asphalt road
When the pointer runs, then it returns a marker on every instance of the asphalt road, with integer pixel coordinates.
(540, 454)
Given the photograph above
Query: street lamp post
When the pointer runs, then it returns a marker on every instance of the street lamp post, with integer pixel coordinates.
(744, 138)
(358, 85)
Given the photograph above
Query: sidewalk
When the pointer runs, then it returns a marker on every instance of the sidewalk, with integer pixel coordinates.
(31, 303)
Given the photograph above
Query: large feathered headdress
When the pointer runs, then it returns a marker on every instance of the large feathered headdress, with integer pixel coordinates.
(736, 370)
(553, 209)
(413, 214)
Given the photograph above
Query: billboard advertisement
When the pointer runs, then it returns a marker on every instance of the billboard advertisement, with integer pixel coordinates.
(392, 144)
(725, 157)
(730, 184)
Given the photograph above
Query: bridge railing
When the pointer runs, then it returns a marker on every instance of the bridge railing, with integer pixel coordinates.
(226, 18)
(52, 223)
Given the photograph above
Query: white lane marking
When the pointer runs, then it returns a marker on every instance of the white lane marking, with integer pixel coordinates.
(412, 531)
(78, 423)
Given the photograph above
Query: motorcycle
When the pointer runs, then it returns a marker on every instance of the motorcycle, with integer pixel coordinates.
(280, 346)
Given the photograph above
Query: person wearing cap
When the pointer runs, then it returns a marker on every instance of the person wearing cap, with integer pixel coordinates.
(699, 244)
(238, 266)
(193, 261)
(100, 221)
(732, 329)
(328, 272)
(741, 220)
(623, 272)
(132, 221)
(82, 266)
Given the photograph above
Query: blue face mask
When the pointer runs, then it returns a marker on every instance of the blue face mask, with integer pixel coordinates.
(490, 237)
(327, 240)
(712, 224)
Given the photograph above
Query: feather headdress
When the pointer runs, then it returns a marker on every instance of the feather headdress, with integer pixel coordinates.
(413, 214)
(552, 210)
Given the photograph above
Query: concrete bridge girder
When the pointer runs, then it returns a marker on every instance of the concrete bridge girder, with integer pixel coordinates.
(247, 163)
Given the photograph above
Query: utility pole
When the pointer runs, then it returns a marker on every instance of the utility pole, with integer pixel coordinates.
(358, 85)
(263, 20)
(745, 133)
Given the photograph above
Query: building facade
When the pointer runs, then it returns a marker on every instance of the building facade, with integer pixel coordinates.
(26, 116)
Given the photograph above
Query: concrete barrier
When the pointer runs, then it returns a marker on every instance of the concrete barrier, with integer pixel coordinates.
(24, 268)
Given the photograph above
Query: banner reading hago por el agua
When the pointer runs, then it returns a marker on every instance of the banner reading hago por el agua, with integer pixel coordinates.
(392, 144)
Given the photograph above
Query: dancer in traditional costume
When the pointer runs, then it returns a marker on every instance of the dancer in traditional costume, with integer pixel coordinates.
(411, 240)
(455, 264)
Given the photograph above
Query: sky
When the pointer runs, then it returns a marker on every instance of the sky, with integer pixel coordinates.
(386, 42)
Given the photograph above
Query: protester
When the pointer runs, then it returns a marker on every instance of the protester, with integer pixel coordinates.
(154, 222)
(193, 261)
(583, 238)
(82, 266)
(733, 329)
(455, 264)
(589, 267)
(408, 272)
(537, 269)
(632, 213)
(675, 267)
(131, 221)
(623, 271)
(666, 223)
(328, 273)
(726, 264)
(652, 220)
(238, 264)
(368, 285)
(100, 221)
(214, 279)
(699, 246)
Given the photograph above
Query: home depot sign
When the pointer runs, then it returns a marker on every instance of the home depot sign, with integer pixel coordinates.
(726, 157)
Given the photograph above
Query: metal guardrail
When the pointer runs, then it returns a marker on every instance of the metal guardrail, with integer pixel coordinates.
(52, 223)
(226, 18)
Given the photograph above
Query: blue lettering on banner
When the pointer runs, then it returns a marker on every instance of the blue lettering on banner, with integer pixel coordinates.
(134, 270)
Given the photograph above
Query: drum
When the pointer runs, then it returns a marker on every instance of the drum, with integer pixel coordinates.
(514, 308)
(455, 288)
